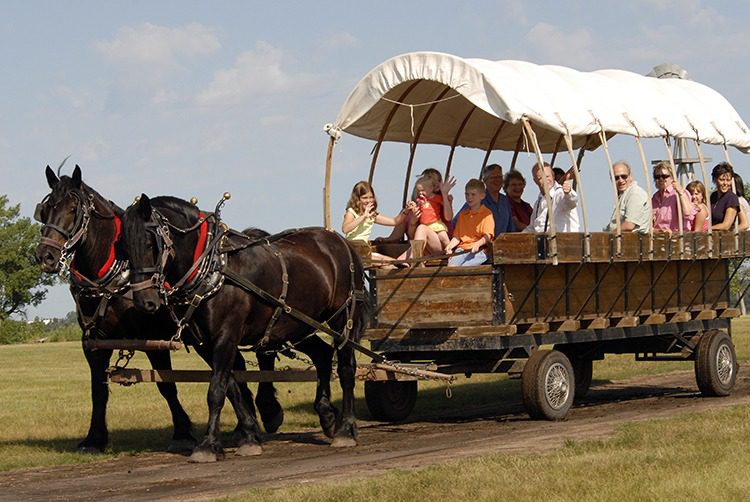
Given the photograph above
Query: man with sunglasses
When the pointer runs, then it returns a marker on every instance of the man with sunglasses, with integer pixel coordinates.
(633, 206)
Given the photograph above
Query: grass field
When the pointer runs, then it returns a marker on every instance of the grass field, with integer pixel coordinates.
(44, 389)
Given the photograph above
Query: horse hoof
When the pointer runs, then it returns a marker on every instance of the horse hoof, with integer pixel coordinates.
(202, 457)
(181, 446)
(249, 450)
(272, 424)
(344, 442)
(89, 450)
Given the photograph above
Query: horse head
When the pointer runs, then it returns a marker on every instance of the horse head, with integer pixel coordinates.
(155, 258)
(64, 214)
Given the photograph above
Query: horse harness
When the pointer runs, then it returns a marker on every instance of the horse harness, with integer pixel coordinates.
(112, 279)
(192, 289)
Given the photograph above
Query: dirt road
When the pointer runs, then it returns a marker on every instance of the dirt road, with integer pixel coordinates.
(305, 457)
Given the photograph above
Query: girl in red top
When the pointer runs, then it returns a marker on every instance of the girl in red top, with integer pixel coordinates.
(434, 206)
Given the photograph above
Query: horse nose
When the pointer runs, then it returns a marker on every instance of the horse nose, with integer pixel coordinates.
(150, 306)
(47, 261)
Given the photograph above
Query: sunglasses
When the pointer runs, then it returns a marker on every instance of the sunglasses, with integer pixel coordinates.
(622, 177)
(662, 176)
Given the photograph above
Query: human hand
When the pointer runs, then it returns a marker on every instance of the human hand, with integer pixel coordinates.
(447, 185)
(368, 209)
(567, 186)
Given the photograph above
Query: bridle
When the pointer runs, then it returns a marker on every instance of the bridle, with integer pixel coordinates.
(158, 227)
(75, 235)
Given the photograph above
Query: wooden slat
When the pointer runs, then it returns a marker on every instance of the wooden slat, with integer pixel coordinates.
(679, 317)
(729, 313)
(597, 323)
(625, 322)
(447, 296)
(440, 335)
(705, 315)
(655, 319)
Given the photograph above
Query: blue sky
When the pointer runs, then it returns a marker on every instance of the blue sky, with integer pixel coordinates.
(198, 98)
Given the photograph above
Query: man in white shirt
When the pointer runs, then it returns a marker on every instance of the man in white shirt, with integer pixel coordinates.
(564, 203)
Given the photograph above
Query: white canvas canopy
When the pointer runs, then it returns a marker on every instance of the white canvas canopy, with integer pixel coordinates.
(432, 96)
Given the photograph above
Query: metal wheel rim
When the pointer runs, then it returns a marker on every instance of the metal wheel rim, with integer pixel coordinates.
(557, 386)
(724, 364)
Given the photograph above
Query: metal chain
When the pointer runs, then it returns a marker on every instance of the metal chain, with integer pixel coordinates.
(124, 355)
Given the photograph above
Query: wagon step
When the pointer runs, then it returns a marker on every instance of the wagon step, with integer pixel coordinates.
(372, 371)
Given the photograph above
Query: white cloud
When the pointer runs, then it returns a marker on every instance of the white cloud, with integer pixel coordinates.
(158, 49)
(572, 48)
(342, 39)
(256, 72)
(165, 97)
(92, 151)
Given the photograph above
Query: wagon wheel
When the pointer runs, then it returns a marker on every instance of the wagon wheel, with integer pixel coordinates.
(583, 370)
(390, 401)
(548, 385)
(715, 363)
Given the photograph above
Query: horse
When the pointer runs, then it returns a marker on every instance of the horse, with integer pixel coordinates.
(79, 224)
(276, 292)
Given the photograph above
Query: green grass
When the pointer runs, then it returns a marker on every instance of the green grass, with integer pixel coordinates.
(44, 391)
(690, 457)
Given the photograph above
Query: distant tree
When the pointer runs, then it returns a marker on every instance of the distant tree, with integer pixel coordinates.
(22, 282)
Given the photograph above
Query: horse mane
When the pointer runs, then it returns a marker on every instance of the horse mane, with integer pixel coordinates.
(65, 184)
(179, 207)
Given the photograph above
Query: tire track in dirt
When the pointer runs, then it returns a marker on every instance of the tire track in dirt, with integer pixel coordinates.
(295, 458)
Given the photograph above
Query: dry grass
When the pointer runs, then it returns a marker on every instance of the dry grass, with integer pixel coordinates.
(691, 457)
(44, 391)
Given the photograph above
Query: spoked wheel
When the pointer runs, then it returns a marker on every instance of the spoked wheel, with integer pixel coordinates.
(715, 363)
(548, 385)
(583, 370)
(390, 401)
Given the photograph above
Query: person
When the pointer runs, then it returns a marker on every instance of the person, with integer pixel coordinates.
(474, 227)
(743, 221)
(698, 192)
(664, 202)
(633, 205)
(497, 203)
(564, 203)
(405, 228)
(433, 205)
(361, 214)
(514, 184)
(559, 174)
(724, 203)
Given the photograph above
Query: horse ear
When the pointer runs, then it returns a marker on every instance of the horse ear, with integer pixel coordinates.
(77, 176)
(144, 207)
(52, 179)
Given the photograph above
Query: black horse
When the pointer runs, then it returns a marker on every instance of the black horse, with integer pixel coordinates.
(81, 225)
(267, 281)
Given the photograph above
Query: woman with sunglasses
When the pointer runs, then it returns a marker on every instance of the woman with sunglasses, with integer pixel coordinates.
(664, 202)
(724, 203)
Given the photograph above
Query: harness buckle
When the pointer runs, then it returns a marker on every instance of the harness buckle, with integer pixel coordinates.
(196, 300)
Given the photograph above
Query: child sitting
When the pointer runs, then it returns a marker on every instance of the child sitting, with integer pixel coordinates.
(434, 207)
(361, 214)
(474, 228)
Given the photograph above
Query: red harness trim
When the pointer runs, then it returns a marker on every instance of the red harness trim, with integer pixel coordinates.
(110, 259)
(200, 246)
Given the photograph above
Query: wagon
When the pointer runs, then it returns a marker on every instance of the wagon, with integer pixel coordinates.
(547, 304)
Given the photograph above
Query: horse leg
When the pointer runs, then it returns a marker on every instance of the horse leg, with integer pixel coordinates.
(246, 434)
(97, 437)
(269, 407)
(182, 439)
(346, 425)
(322, 357)
(222, 381)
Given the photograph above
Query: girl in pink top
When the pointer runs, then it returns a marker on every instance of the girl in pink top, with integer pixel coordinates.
(698, 191)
